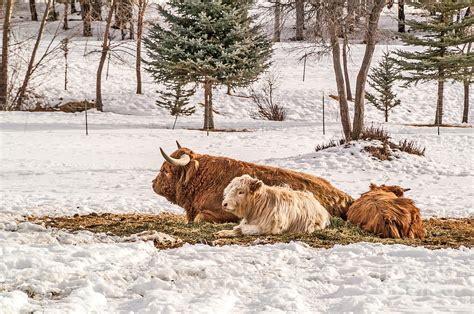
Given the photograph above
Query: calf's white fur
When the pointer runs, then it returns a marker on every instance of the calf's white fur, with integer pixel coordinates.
(271, 209)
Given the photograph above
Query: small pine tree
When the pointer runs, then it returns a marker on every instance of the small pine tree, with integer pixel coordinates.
(381, 80)
(211, 42)
(441, 58)
(175, 99)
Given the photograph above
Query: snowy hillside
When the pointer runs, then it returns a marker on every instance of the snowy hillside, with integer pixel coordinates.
(50, 167)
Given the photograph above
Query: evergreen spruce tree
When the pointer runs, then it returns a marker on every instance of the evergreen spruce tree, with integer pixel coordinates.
(175, 99)
(441, 59)
(211, 42)
(381, 80)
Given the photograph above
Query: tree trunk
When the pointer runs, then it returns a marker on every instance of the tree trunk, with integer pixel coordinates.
(359, 104)
(318, 26)
(351, 8)
(29, 70)
(53, 15)
(86, 11)
(103, 56)
(73, 6)
(97, 10)
(138, 65)
(277, 22)
(123, 17)
(34, 13)
(208, 112)
(299, 20)
(336, 59)
(345, 47)
(175, 119)
(4, 65)
(465, 113)
(439, 103)
(401, 16)
(65, 22)
(386, 114)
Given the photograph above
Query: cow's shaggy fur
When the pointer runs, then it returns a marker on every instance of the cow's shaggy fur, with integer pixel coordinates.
(198, 187)
(384, 211)
(271, 209)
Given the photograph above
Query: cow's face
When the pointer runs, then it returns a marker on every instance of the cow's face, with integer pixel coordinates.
(395, 189)
(237, 194)
(176, 171)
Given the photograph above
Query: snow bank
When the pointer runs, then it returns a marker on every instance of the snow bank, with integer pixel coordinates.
(87, 275)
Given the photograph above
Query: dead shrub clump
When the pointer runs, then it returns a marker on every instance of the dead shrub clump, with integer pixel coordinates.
(267, 109)
(411, 147)
(331, 143)
(373, 133)
(76, 106)
(381, 153)
(384, 152)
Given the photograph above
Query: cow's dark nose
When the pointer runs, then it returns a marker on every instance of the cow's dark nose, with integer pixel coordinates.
(225, 204)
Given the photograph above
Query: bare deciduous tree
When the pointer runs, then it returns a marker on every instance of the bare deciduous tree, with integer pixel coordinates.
(65, 22)
(4, 64)
(86, 13)
(370, 39)
(103, 56)
(123, 17)
(277, 21)
(336, 23)
(31, 63)
(299, 5)
(142, 5)
(33, 12)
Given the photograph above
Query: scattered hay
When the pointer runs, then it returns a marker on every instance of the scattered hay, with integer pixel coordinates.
(440, 232)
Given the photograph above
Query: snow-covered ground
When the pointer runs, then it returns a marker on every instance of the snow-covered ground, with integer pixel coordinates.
(49, 167)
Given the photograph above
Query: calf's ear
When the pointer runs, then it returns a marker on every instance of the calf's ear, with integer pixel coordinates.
(255, 185)
(373, 186)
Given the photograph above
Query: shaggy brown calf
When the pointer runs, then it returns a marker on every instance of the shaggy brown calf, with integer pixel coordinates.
(385, 212)
(196, 183)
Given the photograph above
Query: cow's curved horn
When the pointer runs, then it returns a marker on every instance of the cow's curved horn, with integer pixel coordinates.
(181, 161)
(177, 144)
(404, 190)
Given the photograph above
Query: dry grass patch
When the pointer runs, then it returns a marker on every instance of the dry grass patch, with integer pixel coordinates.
(440, 232)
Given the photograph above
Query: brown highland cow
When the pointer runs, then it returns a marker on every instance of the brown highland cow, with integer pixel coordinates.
(385, 212)
(197, 182)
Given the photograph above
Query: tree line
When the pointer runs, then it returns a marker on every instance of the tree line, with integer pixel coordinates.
(212, 43)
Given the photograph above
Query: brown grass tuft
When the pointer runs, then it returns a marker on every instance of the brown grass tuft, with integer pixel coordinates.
(331, 143)
(373, 133)
(410, 147)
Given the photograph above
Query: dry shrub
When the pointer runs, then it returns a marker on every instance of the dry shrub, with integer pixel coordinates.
(331, 143)
(267, 109)
(373, 133)
(382, 153)
(76, 106)
(411, 147)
